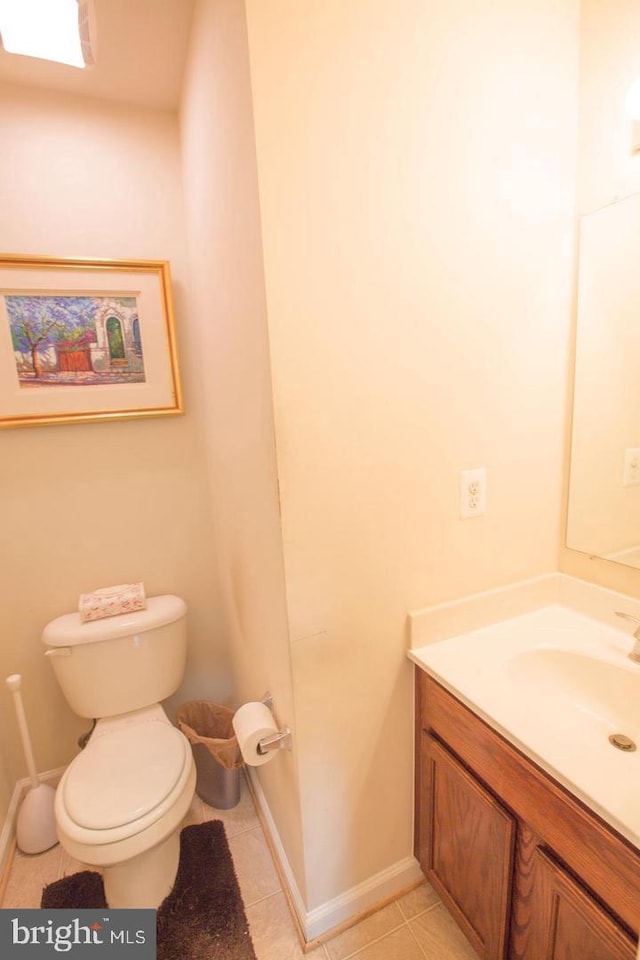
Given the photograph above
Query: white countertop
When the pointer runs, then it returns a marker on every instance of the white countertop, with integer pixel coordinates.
(556, 684)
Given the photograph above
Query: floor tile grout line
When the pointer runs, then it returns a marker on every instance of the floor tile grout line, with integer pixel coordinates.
(406, 922)
(239, 833)
(349, 956)
(249, 904)
(415, 937)
(432, 906)
(267, 896)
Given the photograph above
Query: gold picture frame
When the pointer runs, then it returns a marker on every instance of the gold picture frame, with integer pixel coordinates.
(86, 340)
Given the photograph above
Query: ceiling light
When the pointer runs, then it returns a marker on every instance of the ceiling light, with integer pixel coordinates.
(47, 29)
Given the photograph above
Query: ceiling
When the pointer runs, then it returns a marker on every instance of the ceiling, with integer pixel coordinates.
(141, 51)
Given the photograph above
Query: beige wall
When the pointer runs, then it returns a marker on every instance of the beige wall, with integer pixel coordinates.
(606, 171)
(416, 172)
(227, 311)
(89, 505)
(404, 231)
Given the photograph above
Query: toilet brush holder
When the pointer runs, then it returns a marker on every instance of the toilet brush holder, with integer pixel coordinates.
(36, 825)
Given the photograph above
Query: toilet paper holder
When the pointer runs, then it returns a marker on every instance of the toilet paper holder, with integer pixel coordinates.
(277, 741)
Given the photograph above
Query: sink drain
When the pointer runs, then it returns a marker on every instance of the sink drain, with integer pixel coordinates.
(621, 742)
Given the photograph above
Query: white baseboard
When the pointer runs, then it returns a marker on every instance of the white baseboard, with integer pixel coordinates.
(357, 901)
(9, 827)
(286, 873)
(351, 904)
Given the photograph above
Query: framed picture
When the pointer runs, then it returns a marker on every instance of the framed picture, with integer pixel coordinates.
(86, 340)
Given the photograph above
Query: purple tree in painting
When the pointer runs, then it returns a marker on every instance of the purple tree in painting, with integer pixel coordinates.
(31, 328)
(38, 322)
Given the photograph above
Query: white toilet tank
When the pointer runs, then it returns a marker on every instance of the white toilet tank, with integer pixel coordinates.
(118, 664)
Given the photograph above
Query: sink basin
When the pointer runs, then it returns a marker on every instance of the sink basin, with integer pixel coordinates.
(557, 684)
(592, 685)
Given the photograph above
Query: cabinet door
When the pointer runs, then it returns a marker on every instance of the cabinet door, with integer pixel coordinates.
(567, 923)
(466, 848)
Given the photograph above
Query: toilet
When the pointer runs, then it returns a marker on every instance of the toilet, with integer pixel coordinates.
(120, 803)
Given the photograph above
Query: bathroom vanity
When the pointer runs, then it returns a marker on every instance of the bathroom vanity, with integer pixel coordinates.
(532, 862)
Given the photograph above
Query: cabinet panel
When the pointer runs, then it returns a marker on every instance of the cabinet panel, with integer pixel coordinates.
(606, 862)
(468, 853)
(567, 924)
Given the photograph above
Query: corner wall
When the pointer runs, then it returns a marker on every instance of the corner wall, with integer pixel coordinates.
(228, 316)
(416, 174)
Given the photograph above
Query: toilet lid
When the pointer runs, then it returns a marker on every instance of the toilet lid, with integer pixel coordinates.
(121, 776)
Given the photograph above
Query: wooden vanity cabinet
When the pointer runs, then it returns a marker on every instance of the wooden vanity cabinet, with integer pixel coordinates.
(527, 871)
(468, 849)
(566, 923)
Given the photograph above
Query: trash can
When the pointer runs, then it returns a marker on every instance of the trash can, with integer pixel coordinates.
(208, 728)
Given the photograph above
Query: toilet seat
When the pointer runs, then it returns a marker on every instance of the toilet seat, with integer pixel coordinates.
(123, 782)
(123, 775)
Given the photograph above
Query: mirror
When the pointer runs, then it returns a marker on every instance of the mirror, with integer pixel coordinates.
(604, 489)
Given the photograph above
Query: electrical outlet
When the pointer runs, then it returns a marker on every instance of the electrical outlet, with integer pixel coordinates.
(631, 475)
(473, 493)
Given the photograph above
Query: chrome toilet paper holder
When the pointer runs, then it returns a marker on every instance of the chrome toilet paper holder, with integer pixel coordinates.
(277, 741)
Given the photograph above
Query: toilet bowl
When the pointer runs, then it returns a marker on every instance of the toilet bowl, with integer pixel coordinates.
(120, 803)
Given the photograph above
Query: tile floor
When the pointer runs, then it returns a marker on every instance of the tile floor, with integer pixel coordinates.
(415, 927)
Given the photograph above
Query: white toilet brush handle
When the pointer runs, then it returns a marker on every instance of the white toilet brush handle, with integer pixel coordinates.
(14, 682)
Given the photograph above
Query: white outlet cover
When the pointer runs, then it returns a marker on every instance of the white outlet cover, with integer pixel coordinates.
(473, 493)
(631, 475)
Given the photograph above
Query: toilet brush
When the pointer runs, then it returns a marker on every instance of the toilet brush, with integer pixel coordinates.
(36, 825)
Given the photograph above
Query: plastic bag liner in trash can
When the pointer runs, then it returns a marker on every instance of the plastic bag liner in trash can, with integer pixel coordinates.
(208, 728)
